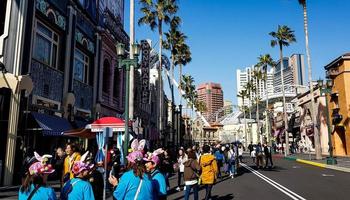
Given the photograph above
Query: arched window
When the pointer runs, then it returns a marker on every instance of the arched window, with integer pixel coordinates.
(106, 76)
(51, 15)
(116, 83)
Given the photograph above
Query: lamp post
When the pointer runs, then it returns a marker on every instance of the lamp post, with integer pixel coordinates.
(126, 63)
(326, 88)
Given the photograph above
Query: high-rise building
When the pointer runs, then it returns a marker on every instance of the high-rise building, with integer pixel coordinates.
(244, 76)
(212, 95)
(293, 73)
(228, 107)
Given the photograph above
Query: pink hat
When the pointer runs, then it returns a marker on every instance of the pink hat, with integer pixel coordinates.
(41, 167)
(133, 156)
(152, 158)
(81, 165)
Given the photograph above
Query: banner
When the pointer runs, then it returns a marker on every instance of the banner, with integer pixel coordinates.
(145, 62)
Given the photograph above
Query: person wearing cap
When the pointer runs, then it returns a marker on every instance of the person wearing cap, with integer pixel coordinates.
(78, 188)
(158, 179)
(34, 186)
(135, 183)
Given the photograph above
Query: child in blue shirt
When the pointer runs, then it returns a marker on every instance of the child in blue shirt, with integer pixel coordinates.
(77, 188)
(135, 183)
(34, 186)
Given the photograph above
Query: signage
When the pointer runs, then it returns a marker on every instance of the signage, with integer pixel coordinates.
(145, 62)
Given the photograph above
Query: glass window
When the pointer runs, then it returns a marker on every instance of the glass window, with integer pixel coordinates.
(46, 45)
(81, 66)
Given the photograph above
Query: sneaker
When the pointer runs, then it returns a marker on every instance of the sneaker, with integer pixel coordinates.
(178, 189)
(232, 176)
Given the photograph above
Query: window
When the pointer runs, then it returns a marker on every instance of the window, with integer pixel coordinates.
(46, 45)
(81, 66)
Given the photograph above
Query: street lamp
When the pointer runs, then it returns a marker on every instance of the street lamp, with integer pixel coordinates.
(126, 63)
(326, 88)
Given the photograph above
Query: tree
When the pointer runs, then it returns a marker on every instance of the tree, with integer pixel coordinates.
(243, 94)
(283, 38)
(183, 58)
(258, 76)
(264, 61)
(316, 133)
(250, 88)
(155, 13)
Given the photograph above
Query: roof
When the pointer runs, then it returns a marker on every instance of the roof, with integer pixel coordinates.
(332, 64)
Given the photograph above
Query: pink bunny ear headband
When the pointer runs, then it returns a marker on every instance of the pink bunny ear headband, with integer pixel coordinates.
(81, 165)
(137, 148)
(41, 167)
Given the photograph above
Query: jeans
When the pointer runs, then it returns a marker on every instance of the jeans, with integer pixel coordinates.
(188, 190)
(179, 175)
(208, 188)
(232, 168)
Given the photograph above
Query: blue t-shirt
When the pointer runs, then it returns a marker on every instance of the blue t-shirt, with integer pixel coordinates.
(43, 193)
(128, 184)
(159, 184)
(77, 189)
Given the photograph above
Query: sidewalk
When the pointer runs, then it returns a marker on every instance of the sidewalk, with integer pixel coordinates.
(343, 163)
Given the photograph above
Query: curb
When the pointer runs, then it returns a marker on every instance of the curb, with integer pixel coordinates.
(316, 164)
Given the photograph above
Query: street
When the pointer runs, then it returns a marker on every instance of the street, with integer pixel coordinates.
(288, 180)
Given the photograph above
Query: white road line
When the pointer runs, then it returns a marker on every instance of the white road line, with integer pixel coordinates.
(278, 186)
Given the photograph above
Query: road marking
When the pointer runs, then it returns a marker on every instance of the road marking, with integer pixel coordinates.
(296, 167)
(278, 186)
(327, 175)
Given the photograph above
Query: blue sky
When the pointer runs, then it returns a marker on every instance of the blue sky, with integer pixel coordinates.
(225, 35)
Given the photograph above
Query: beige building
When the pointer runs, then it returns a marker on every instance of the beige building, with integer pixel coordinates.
(339, 103)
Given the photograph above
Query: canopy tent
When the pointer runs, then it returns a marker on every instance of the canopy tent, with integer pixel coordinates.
(117, 124)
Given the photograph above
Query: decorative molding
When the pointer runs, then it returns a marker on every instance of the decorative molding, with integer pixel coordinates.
(79, 37)
(44, 6)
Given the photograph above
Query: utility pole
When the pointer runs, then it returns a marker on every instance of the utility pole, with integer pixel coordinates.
(131, 56)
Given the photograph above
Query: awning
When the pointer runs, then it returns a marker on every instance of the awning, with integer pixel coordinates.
(115, 123)
(51, 125)
(80, 133)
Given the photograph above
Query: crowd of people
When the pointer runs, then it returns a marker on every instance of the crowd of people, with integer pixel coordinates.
(261, 155)
(144, 176)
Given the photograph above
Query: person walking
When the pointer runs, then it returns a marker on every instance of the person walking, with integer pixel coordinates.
(250, 147)
(158, 178)
(268, 156)
(191, 175)
(259, 156)
(72, 156)
(240, 153)
(135, 183)
(78, 188)
(219, 156)
(181, 159)
(231, 157)
(209, 170)
(34, 186)
(253, 154)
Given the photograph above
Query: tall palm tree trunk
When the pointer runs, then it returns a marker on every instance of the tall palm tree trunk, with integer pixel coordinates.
(286, 151)
(160, 77)
(180, 82)
(257, 110)
(316, 133)
(267, 125)
(172, 130)
(245, 125)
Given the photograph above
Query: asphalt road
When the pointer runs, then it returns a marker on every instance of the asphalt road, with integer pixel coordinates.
(287, 180)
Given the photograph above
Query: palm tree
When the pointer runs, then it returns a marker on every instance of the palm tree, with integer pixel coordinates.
(200, 106)
(243, 94)
(258, 76)
(250, 88)
(155, 13)
(283, 37)
(264, 62)
(190, 93)
(183, 58)
(316, 134)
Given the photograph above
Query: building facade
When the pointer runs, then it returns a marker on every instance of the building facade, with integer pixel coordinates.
(245, 76)
(339, 103)
(212, 95)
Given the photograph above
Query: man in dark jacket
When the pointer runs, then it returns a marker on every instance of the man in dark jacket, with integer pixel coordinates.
(268, 155)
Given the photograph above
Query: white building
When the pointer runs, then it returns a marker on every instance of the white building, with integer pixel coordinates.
(244, 76)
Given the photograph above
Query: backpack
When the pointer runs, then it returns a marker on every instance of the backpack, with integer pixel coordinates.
(219, 156)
